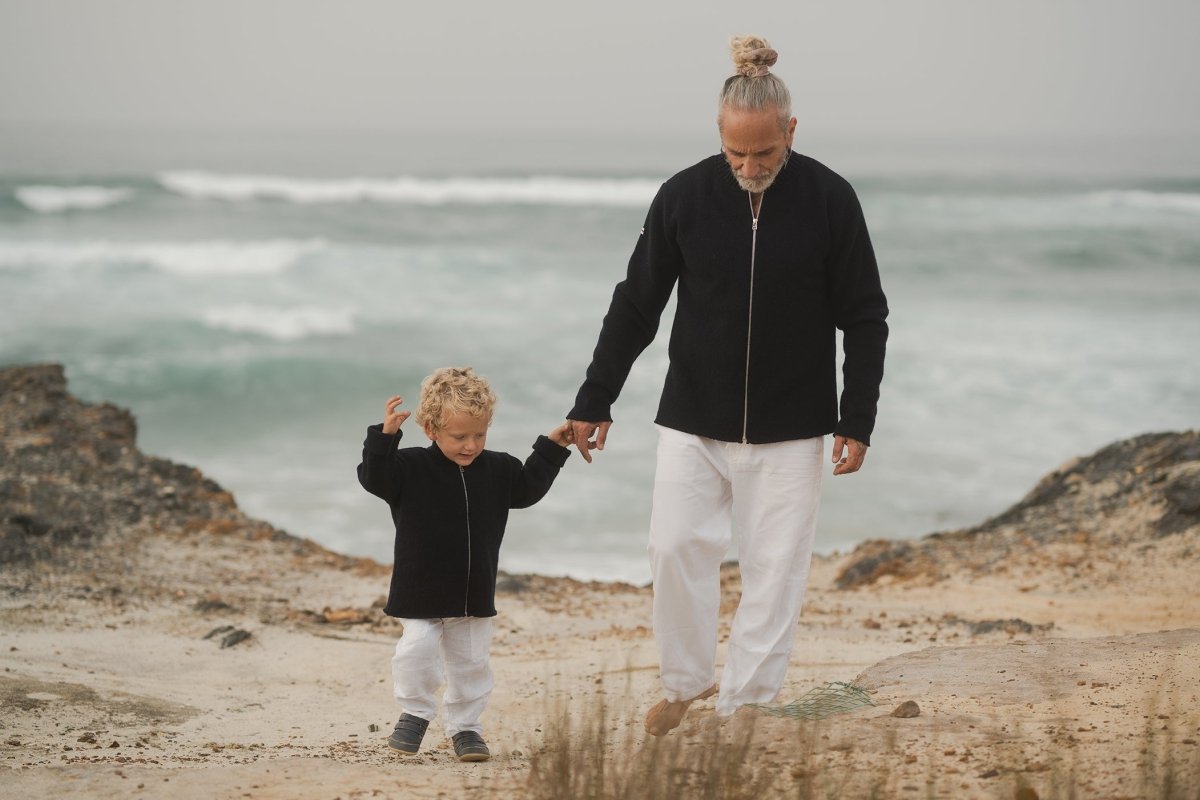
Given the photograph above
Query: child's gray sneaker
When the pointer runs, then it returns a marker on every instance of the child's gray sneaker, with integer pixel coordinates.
(469, 746)
(408, 733)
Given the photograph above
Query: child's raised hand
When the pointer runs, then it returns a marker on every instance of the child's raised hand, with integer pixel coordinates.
(393, 417)
(562, 436)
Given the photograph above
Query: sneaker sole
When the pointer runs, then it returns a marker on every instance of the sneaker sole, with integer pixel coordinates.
(475, 757)
(402, 751)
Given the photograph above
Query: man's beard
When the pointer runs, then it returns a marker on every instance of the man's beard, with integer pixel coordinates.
(762, 182)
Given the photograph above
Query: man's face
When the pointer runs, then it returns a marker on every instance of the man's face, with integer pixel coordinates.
(461, 438)
(755, 146)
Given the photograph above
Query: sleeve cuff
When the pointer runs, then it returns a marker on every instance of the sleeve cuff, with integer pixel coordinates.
(583, 412)
(379, 442)
(853, 432)
(550, 451)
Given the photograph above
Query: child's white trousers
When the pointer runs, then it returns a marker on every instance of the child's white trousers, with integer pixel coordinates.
(705, 492)
(454, 650)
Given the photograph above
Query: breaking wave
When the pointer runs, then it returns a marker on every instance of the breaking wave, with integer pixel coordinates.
(56, 199)
(193, 259)
(280, 324)
(549, 190)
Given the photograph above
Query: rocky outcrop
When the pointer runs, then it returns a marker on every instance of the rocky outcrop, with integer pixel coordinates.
(71, 477)
(1136, 490)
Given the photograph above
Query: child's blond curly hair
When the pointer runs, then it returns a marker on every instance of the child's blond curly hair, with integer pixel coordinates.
(454, 389)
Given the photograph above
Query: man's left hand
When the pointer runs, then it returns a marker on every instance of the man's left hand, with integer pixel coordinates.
(848, 455)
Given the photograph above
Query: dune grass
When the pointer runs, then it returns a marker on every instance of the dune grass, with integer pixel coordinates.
(604, 754)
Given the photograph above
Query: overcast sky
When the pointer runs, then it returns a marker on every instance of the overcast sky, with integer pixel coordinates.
(943, 67)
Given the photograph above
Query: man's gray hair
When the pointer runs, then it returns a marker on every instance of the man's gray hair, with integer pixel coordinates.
(754, 88)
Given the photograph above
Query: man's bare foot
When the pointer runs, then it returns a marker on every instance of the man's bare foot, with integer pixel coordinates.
(666, 715)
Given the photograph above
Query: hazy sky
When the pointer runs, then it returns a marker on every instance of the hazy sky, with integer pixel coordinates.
(945, 67)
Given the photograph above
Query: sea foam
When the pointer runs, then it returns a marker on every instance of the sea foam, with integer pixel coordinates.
(281, 324)
(548, 190)
(191, 259)
(55, 199)
(1150, 201)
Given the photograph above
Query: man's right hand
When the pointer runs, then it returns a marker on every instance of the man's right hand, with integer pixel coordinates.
(583, 432)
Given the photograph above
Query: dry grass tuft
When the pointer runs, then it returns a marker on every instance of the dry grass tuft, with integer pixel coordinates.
(602, 755)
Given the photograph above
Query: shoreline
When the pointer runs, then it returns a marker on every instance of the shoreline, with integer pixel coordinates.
(1057, 643)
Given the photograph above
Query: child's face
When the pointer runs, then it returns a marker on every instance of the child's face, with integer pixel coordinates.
(461, 438)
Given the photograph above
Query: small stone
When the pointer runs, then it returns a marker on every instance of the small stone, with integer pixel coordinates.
(907, 709)
(233, 638)
(373, 728)
(87, 738)
(1025, 793)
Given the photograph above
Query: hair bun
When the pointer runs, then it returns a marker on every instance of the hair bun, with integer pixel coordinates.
(752, 56)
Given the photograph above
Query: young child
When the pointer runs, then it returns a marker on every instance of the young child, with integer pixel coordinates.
(449, 502)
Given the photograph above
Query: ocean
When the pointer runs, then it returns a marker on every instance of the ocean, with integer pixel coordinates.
(254, 299)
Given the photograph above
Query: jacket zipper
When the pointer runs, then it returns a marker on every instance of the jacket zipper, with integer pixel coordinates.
(462, 473)
(750, 313)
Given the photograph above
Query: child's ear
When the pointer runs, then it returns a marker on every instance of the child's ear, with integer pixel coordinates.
(429, 431)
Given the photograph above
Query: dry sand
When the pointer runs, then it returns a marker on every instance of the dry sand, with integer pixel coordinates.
(110, 688)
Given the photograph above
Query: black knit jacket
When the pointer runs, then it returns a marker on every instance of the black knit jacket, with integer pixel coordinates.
(450, 520)
(761, 371)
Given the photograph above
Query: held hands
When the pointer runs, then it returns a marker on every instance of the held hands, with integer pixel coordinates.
(562, 436)
(393, 417)
(581, 435)
(855, 452)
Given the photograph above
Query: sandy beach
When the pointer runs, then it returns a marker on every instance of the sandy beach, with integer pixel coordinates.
(156, 642)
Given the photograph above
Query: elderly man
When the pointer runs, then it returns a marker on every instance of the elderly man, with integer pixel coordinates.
(771, 256)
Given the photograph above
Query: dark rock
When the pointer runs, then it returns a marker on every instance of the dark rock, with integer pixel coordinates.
(218, 631)
(876, 558)
(511, 584)
(1157, 471)
(1011, 626)
(71, 477)
(210, 605)
(907, 710)
(233, 638)
(1182, 494)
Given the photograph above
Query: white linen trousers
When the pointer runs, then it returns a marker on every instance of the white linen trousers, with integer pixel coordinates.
(705, 492)
(450, 649)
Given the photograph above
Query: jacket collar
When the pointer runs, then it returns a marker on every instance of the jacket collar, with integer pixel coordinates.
(439, 457)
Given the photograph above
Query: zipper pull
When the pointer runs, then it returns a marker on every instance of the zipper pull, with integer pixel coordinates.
(754, 224)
